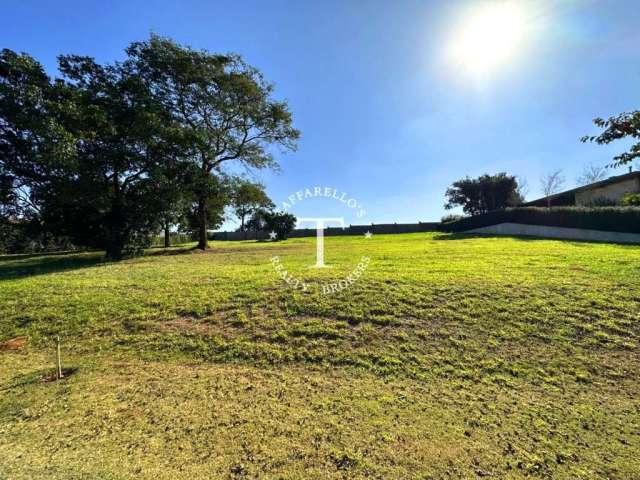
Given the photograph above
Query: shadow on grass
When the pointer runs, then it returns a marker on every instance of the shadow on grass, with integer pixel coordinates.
(27, 379)
(26, 256)
(29, 265)
(163, 252)
(20, 266)
(44, 375)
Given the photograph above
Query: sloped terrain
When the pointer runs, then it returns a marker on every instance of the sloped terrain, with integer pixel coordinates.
(450, 357)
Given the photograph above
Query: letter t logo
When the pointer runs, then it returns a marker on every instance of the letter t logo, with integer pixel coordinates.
(321, 223)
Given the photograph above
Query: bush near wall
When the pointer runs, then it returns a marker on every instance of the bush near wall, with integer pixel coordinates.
(631, 200)
(610, 219)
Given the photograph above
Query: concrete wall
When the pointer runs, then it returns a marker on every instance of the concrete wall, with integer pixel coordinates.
(519, 229)
(613, 192)
(384, 228)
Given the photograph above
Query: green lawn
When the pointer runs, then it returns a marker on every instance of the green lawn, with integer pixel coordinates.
(451, 357)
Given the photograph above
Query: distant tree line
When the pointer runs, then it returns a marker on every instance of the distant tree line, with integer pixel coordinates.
(104, 155)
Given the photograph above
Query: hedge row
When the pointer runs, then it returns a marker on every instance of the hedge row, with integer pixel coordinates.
(611, 219)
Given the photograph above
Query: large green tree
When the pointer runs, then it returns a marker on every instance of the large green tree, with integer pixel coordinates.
(80, 152)
(123, 141)
(108, 152)
(224, 109)
(483, 194)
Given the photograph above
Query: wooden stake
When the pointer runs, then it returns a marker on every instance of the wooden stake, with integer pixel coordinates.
(59, 362)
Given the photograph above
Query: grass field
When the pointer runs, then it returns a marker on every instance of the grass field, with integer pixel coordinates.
(451, 357)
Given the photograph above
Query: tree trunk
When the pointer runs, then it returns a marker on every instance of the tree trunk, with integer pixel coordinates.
(242, 222)
(114, 249)
(203, 241)
(115, 242)
(167, 235)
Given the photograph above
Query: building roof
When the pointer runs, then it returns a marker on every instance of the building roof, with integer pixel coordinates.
(590, 186)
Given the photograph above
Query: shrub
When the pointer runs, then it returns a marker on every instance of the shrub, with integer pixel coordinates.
(453, 217)
(280, 222)
(631, 200)
(612, 219)
(602, 202)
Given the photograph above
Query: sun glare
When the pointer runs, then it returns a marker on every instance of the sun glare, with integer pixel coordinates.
(488, 36)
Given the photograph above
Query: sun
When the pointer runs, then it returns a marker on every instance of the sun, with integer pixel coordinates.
(489, 36)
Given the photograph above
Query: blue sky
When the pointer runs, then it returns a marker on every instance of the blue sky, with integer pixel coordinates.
(385, 115)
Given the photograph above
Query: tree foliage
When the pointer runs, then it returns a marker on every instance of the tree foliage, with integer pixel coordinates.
(222, 109)
(219, 194)
(624, 125)
(122, 144)
(107, 154)
(483, 194)
(631, 200)
(281, 223)
(247, 198)
(34, 145)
